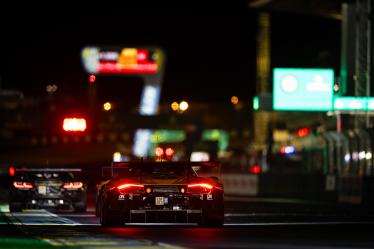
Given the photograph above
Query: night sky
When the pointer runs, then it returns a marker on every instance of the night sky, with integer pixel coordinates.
(210, 53)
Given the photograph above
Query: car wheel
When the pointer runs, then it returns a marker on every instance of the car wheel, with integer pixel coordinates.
(97, 210)
(15, 207)
(213, 218)
(108, 220)
(80, 208)
(212, 222)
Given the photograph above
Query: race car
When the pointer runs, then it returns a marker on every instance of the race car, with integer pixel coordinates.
(161, 192)
(49, 188)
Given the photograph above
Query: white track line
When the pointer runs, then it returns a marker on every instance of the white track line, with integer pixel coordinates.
(297, 223)
(78, 215)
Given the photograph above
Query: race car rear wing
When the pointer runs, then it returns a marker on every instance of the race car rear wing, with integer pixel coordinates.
(204, 169)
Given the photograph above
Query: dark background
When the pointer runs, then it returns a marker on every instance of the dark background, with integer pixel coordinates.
(211, 52)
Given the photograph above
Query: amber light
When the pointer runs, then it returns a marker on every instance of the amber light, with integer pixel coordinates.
(22, 185)
(74, 124)
(73, 185)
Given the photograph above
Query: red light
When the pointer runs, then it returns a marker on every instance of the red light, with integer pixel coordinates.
(283, 150)
(92, 78)
(255, 169)
(142, 55)
(199, 188)
(169, 152)
(128, 185)
(302, 132)
(203, 185)
(129, 61)
(12, 171)
(128, 188)
(73, 185)
(74, 124)
(159, 152)
(22, 185)
(114, 68)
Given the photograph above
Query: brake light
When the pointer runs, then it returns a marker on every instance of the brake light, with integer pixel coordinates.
(130, 188)
(199, 188)
(73, 185)
(127, 185)
(22, 185)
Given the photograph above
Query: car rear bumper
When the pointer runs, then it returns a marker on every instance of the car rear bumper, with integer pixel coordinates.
(49, 203)
(167, 216)
(31, 200)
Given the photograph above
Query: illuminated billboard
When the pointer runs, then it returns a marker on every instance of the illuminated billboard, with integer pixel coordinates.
(302, 89)
(347, 103)
(121, 60)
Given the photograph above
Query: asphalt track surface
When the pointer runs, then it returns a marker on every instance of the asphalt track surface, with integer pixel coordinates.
(243, 228)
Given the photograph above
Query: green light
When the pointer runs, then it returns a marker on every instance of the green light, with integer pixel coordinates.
(350, 103)
(354, 104)
(178, 136)
(256, 104)
(371, 104)
(217, 135)
(162, 136)
(165, 136)
(301, 89)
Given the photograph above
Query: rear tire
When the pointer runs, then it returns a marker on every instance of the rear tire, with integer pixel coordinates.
(108, 220)
(80, 208)
(212, 222)
(97, 210)
(213, 218)
(15, 207)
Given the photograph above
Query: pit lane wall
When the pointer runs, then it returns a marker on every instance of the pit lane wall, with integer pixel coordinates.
(328, 188)
(275, 185)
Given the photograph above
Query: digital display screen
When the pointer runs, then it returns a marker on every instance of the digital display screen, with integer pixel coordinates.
(303, 89)
(121, 60)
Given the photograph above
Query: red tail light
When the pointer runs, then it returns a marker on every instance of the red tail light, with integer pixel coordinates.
(159, 152)
(12, 171)
(129, 185)
(130, 188)
(255, 169)
(169, 152)
(22, 185)
(73, 185)
(199, 188)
